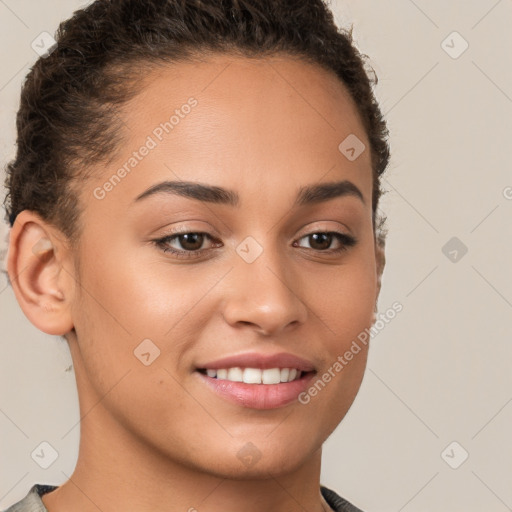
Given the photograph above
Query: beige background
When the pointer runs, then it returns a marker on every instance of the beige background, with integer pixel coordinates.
(440, 371)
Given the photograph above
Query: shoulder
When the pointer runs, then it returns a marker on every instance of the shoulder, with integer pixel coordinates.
(336, 502)
(32, 501)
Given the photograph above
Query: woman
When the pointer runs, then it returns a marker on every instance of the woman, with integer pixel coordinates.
(194, 208)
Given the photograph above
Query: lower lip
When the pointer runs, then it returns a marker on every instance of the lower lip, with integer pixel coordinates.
(258, 396)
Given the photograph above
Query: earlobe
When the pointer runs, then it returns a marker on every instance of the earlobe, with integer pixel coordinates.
(41, 284)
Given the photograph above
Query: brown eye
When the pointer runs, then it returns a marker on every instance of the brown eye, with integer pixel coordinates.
(186, 245)
(191, 241)
(322, 241)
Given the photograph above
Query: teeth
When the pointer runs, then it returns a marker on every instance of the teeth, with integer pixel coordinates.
(271, 376)
(256, 375)
(252, 376)
(222, 374)
(235, 374)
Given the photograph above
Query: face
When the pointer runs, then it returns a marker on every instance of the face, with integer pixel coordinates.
(175, 278)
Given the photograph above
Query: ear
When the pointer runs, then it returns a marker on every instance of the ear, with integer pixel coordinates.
(380, 261)
(35, 264)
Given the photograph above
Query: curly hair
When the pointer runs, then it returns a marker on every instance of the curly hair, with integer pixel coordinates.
(68, 118)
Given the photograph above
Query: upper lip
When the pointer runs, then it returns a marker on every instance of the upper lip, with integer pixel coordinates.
(260, 360)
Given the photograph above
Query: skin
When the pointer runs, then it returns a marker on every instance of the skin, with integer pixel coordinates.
(155, 437)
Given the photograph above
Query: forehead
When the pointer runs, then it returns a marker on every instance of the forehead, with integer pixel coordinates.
(244, 123)
(241, 87)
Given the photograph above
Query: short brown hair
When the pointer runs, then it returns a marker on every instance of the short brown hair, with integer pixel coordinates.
(67, 117)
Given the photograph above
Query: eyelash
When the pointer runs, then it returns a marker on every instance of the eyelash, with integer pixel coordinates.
(345, 240)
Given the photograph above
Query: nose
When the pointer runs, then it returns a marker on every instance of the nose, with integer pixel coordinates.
(264, 295)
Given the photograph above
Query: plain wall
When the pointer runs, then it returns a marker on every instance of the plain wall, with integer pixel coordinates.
(439, 372)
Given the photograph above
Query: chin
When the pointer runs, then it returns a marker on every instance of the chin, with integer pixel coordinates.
(245, 460)
(263, 469)
(262, 459)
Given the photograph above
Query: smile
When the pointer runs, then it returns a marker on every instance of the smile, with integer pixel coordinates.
(256, 388)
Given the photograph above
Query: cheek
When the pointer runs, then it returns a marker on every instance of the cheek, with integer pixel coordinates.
(344, 300)
(139, 299)
(126, 311)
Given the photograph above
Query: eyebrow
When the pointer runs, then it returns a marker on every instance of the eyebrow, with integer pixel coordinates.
(306, 195)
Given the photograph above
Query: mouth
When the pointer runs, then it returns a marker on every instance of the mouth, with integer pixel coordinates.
(256, 388)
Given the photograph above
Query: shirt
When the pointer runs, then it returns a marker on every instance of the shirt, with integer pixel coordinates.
(32, 501)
